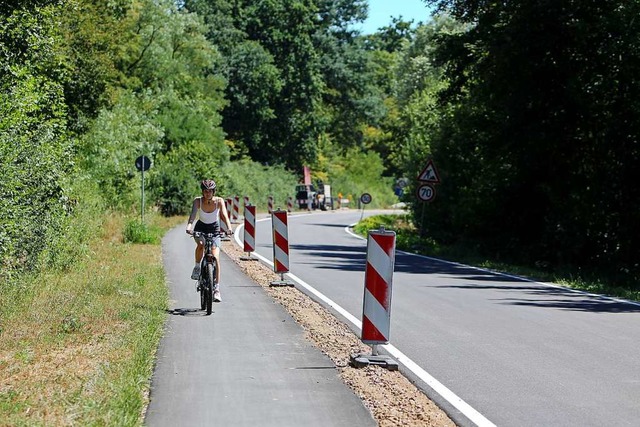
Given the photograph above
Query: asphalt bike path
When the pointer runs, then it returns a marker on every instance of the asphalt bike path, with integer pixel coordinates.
(246, 364)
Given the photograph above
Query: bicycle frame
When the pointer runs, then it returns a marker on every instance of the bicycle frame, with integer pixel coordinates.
(207, 279)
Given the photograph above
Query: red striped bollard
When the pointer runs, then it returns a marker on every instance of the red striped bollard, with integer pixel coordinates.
(270, 204)
(249, 232)
(376, 307)
(228, 203)
(280, 247)
(225, 230)
(246, 201)
(289, 204)
(236, 208)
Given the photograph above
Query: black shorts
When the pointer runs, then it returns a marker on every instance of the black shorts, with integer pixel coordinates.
(208, 228)
(202, 227)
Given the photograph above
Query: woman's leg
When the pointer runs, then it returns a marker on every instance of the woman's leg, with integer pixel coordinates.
(216, 253)
(198, 255)
(199, 251)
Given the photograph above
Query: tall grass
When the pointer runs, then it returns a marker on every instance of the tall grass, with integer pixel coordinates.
(79, 333)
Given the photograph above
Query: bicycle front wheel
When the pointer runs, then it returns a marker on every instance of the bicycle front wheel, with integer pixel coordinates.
(203, 301)
(209, 288)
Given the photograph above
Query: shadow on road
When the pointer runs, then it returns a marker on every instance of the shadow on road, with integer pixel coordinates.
(348, 258)
(551, 297)
(191, 312)
(330, 225)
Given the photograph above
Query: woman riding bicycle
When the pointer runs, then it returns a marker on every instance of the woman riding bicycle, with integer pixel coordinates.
(208, 209)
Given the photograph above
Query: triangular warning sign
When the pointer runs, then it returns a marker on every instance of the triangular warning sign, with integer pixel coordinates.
(429, 173)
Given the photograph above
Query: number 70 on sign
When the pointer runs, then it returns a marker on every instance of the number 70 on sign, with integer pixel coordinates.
(426, 192)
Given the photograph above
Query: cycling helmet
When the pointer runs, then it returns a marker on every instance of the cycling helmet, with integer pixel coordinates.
(208, 184)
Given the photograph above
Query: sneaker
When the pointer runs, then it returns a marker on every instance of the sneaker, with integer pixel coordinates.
(195, 274)
(216, 294)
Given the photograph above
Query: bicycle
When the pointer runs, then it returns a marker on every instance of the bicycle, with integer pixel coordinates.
(207, 280)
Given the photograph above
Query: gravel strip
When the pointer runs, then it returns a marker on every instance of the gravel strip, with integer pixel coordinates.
(392, 398)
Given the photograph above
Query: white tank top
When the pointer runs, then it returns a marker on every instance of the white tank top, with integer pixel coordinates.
(208, 217)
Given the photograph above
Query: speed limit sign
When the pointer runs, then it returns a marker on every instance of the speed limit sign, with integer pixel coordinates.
(426, 192)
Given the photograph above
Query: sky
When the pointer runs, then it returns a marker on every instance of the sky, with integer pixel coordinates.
(381, 11)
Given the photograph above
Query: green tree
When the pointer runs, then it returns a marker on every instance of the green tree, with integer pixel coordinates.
(295, 72)
(35, 150)
(94, 33)
(254, 86)
(542, 96)
(168, 99)
(391, 38)
(116, 138)
(285, 29)
(418, 81)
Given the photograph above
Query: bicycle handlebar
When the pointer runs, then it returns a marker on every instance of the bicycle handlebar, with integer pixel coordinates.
(208, 235)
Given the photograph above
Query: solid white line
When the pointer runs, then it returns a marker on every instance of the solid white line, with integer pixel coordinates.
(474, 416)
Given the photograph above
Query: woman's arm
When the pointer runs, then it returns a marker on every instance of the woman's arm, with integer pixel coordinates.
(194, 213)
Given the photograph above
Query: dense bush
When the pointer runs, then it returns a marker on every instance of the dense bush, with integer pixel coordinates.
(356, 173)
(175, 175)
(116, 138)
(35, 150)
(136, 231)
(251, 179)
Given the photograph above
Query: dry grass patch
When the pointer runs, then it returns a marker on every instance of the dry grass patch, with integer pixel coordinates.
(79, 349)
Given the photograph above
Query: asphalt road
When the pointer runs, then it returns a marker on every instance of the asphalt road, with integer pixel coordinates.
(247, 364)
(520, 353)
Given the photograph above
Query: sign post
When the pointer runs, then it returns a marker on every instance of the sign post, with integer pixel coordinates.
(426, 190)
(142, 164)
(365, 199)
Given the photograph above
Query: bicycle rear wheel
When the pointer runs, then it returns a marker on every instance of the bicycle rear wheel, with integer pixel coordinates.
(209, 287)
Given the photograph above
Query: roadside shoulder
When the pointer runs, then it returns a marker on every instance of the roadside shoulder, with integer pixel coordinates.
(392, 398)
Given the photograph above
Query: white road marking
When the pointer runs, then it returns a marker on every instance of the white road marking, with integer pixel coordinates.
(474, 416)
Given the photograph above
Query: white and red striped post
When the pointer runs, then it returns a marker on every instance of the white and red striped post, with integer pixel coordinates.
(225, 230)
(280, 246)
(249, 232)
(228, 202)
(289, 204)
(236, 208)
(246, 201)
(270, 204)
(376, 310)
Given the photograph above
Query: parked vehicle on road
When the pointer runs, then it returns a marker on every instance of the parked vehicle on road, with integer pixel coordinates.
(306, 196)
(324, 199)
